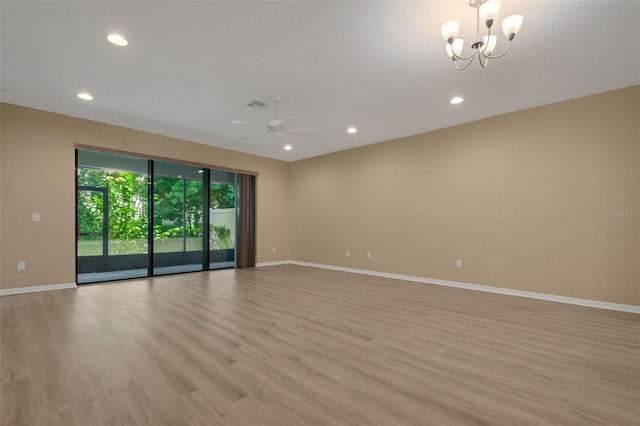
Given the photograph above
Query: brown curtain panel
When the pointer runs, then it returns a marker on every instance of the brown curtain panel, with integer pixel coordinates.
(246, 243)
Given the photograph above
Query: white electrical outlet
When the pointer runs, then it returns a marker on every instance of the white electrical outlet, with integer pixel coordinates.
(273, 249)
(369, 255)
(22, 265)
(348, 253)
(458, 263)
(36, 217)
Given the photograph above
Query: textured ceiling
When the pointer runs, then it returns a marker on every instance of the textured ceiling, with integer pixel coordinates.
(191, 67)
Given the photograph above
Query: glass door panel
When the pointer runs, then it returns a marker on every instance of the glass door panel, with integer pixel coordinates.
(222, 219)
(177, 218)
(128, 205)
(91, 223)
(112, 211)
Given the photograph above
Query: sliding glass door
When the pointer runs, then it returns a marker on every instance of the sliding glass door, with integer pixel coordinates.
(112, 217)
(178, 244)
(139, 217)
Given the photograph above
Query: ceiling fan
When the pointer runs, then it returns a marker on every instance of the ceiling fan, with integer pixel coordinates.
(277, 127)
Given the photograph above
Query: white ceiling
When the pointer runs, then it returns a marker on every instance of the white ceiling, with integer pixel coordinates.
(191, 67)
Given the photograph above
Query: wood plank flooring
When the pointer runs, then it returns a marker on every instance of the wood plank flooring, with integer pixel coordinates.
(292, 345)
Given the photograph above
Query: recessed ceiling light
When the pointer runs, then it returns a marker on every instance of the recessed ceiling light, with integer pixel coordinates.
(85, 96)
(117, 39)
(288, 147)
(456, 100)
(352, 130)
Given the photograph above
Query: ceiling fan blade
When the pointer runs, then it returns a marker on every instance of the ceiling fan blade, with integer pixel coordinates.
(250, 136)
(305, 133)
(291, 120)
(248, 124)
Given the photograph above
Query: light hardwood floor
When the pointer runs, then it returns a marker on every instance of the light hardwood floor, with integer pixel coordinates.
(292, 345)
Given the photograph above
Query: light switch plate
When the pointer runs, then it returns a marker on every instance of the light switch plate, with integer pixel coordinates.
(36, 217)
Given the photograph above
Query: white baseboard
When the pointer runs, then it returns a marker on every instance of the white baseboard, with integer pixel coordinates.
(477, 287)
(33, 289)
(277, 262)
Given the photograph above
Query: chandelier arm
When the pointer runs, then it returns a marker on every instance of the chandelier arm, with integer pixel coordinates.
(486, 60)
(465, 66)
(462, 58)
(500, 55)
(485, 45)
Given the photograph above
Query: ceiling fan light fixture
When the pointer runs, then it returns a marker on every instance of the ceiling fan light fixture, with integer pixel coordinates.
(288, 147)
(456, 100)
(85, 96)
(352, 130)
(276, 126)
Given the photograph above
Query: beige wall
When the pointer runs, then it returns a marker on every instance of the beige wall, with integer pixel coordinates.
(37, 175)
(520, 198)
(1, 179)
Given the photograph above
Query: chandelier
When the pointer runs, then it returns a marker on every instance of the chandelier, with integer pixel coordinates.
(483, 47)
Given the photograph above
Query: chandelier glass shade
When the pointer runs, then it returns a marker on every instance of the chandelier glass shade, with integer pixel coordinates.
(484, 46)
